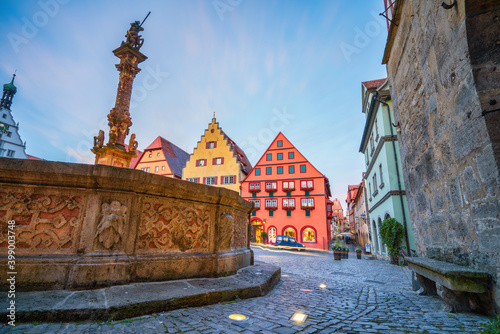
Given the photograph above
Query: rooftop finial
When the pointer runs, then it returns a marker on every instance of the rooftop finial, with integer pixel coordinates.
(214, 114)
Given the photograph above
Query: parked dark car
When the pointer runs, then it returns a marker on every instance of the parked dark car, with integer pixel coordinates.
(285, 242)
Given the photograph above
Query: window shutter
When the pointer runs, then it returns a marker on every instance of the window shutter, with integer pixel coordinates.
(205, 162)
(213, 161)
(197, 162)
(215, 144)
(221, 161)
(204, 180)
(197, 180)
(234, 179)
(206, 144)
(222, 180)
(187, 178)
(215, 180)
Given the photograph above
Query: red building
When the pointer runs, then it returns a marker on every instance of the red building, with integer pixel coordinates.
(352, 191)
(290, 196)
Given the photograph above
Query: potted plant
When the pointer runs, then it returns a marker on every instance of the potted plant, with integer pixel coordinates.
(392, 232)
(346, 252)
(337, 250)
(263, 235)
(358, 253)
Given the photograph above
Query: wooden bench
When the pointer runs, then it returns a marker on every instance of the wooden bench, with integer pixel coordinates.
(462, 288)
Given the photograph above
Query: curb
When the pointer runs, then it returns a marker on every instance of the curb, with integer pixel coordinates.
(133, 300)
(315, 250)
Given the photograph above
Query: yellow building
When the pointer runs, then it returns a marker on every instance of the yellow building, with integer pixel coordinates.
(217, 160)
(163, 158)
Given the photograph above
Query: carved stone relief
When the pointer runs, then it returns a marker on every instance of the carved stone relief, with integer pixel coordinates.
(111, 224)
(169, 227)
(44, 222)
(240, 229)
(224, 231)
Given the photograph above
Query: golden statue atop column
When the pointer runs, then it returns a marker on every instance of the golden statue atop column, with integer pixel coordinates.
(115, 153)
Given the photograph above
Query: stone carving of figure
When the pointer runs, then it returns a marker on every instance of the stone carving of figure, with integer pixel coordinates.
(111, 225)
(99, 139)
(133, 37)
(112, 135)
(132, 144)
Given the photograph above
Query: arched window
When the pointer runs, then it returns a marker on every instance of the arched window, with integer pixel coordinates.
(308, 235)
(290, 232)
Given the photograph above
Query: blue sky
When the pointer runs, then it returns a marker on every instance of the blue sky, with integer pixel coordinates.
(261, 66)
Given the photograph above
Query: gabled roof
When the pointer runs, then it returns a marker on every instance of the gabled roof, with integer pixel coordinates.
(359, 192)
(241, 157)
(352, 191)
(176, 157)
(287, 142)
(336, 205)
(376, 86)
(373, 84)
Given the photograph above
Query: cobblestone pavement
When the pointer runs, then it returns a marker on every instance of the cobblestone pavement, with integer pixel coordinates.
(361, 296)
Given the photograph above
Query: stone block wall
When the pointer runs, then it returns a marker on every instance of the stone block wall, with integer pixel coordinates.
(85, 226)
(443, 66)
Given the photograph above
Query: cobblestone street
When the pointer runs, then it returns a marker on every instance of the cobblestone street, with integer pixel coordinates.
(361, 296)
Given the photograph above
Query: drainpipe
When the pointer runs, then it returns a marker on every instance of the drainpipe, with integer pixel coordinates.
(397, 173)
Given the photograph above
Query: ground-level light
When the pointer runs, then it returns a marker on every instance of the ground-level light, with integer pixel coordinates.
(237, 317)
(299, 317)
(322, 286)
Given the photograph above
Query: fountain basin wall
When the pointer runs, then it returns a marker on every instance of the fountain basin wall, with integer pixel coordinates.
(88, 226)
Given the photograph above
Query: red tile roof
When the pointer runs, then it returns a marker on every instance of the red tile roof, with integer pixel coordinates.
(175, 156)
(373, 84)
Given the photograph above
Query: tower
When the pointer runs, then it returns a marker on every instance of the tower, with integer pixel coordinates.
(115, 153)
(11, 145)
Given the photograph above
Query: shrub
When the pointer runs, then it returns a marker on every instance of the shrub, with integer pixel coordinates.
(392, 232)
(492, 327)
(358, 250)
(263, 235)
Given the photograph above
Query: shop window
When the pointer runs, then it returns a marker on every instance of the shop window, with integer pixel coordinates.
(308, 235)
(290, 232)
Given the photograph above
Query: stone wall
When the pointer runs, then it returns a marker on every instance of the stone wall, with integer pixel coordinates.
(443, 66)
(85, 226)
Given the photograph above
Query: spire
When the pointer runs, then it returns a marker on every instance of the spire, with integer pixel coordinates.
(8, 93)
